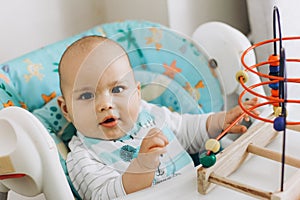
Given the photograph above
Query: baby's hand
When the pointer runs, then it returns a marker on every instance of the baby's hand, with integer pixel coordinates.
(153, 145)
(234, 113)
(220, 121)
(141, 171)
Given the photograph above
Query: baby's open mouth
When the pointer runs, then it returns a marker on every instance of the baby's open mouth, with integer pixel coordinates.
(109, 121)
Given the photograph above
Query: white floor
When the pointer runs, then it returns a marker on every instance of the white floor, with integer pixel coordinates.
(15, 196)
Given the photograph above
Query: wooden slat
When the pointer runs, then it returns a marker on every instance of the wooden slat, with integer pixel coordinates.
(249, 190)
(293, 127)
(266, 153)
(230, 159)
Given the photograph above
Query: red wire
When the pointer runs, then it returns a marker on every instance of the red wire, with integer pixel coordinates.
(271, 100)
(274, 79)
(295, 80)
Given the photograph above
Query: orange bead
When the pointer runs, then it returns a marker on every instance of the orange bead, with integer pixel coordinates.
(274, 93)
(274, 60)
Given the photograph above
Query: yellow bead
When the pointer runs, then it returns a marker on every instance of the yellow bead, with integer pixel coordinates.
(278, 110)
(243, 74)
(212, 145)
(274, 109)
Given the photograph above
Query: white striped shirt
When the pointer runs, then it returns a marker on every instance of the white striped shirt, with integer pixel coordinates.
(96, 167)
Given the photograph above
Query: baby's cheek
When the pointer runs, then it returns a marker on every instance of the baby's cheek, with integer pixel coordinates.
(133, 107)
(85, 118)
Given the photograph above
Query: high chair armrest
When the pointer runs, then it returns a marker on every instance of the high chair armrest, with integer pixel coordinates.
(31, 164)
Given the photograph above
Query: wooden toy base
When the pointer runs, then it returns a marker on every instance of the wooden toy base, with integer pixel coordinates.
(230, 159)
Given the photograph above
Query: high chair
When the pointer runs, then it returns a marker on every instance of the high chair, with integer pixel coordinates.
(187, 75)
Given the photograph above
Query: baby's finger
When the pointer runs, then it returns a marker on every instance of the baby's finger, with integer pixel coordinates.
(157, 133)
(238, 129)
(252, 101)
(255, 112)
(153, 132)
(246, 118)
(154, 140)
(158, 142)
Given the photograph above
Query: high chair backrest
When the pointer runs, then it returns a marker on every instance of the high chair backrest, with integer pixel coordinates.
(168, 64)
(173, 71)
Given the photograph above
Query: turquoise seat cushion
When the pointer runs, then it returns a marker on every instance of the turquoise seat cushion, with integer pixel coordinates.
(150, 46)
(50, 115)
(35, 77)
(8, 94)
(155, 48)
(161, 90)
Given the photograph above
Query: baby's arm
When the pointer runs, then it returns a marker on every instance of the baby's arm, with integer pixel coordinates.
(220, 121)
(141, 171)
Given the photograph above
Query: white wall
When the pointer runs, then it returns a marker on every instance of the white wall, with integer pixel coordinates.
(30, 24)
(152, 10)
(261, 24)
(186, 15)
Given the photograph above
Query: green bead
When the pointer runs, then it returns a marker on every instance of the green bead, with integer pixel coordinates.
(207, 160)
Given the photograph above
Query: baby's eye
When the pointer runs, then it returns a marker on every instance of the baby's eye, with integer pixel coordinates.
(86, 95)
(117, 89)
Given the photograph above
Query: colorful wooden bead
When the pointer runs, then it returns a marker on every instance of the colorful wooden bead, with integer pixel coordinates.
(273, 74)
(279, 124)
(274, 109)
(274, 86)
(278, 110)
(242, 74)
(212, 145)
(207, 160)
(274, 69)
(274, 60)
(274, 93)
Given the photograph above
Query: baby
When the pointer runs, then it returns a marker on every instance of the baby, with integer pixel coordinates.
(124, 144)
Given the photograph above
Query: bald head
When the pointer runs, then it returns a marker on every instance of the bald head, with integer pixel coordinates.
(91, 51)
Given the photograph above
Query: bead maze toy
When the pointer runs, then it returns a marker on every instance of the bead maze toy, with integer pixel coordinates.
(217, 166)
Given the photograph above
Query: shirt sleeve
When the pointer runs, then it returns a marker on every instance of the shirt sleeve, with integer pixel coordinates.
(92, 179)
(190, 129)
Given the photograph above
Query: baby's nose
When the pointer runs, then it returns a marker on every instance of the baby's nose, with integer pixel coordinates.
(104, 103)
(105, 106)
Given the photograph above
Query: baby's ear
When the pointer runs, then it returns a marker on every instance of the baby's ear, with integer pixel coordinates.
(63, 107)
(138, 85)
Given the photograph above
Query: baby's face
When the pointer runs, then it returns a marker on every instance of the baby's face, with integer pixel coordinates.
(104, 99)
